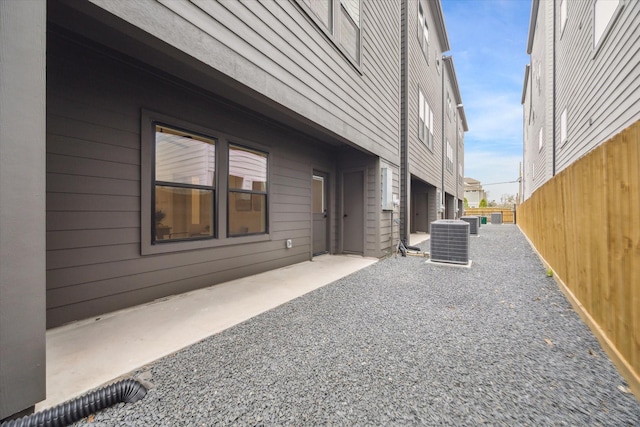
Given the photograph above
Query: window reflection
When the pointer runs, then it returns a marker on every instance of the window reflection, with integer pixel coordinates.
(184, 185)
(247, 207)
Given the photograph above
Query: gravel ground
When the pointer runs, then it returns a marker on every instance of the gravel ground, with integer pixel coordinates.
(400, 342)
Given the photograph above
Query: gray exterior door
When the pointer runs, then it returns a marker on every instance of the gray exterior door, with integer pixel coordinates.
(319, 207)
(353, 214)
(419, 208)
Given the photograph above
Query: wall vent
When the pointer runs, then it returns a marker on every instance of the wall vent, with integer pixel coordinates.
(496, 217)
(474, 223)
(450, 241)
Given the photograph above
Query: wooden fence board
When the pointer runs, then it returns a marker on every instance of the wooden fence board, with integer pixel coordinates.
(585, 224)
(508, 215)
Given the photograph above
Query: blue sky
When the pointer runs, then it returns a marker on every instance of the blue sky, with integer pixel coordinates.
(488, 40)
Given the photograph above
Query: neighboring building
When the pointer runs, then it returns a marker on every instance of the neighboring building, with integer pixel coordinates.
(149, 148)
(581, 85)
(473, 192)
(433, 120)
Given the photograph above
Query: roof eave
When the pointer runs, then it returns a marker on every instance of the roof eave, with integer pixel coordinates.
(532, 24)
(440, 26)
(527, 70)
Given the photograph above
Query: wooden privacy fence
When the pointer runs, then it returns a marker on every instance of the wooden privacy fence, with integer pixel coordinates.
(585, 224)
(508, 215)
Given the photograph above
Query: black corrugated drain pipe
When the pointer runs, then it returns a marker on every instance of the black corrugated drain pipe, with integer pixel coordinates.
(127, 391)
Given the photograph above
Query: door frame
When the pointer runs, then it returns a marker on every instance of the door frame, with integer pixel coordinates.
(364, 204)
(328, 209)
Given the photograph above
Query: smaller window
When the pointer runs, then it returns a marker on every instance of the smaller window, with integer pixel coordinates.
(449, 157)
(425, 125)
(421, 107)
(323, 10)
(423, 31)
(247, 205)
(340, 20)
(563, 14)
(540, 142)
(604, 13)
(350, 28)
(563, 127)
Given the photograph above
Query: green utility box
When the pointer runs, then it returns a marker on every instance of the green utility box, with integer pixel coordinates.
(483, 220)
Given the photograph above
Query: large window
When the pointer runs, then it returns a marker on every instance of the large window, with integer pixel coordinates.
(340, 19)
(201, 188)
(449, 157)
(425, 131)
(184, 185)
(247, 206)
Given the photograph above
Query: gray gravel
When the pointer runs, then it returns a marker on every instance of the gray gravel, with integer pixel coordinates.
(400, 343)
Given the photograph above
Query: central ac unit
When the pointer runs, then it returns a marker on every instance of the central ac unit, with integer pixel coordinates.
(474, 223)
(450, 241)
(496, 217)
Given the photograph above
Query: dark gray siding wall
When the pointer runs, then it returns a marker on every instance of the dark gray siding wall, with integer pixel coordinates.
(274, 48)
(423, 162)
(373, 223)
(599, 88)
(94, 264)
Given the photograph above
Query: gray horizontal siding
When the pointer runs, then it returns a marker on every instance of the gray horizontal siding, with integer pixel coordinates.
(273, 48)
(601, 90)
(424, 163)
(93, 187)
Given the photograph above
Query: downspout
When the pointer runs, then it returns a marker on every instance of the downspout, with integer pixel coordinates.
(442, 192)
(404, 217)
(457, 162)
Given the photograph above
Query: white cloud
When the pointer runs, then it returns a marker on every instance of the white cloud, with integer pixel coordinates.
(491, 168)
(494, 116)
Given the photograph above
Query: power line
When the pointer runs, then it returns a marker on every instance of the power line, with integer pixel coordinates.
(505, 182)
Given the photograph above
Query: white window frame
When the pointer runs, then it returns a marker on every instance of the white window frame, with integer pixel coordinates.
(563, 15)
(423, 31)
(563, 127)
(540, 140)
(608, 16)
(425, 122)
(422, 116)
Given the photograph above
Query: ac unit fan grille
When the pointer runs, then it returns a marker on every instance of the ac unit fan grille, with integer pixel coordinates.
(450, 241)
